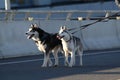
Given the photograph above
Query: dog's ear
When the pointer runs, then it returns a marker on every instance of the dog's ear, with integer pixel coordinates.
(36, 25)
(63, 27)
(32, 25)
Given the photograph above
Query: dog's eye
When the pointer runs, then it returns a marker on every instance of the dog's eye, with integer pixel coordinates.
(62, 32)
(32, 31)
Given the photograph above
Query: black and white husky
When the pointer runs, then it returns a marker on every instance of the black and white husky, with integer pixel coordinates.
(71, 45)
(46, 43)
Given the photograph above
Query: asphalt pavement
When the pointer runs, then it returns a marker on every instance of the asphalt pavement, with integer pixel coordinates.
(97, 65)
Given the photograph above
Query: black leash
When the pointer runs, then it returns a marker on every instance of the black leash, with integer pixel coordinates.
(99, 20)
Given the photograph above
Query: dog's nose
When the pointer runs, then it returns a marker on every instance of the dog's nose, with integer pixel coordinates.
(26, 33)
(57, 35)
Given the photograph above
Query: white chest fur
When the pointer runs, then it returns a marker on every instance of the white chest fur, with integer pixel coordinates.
(40, 46)
(67, 46)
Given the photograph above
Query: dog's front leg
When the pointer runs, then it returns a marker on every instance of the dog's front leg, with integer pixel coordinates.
(46, 58)
(66, 58)
(72, 61)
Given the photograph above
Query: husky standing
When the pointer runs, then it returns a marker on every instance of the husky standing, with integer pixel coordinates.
(45, 42)
(71, 44)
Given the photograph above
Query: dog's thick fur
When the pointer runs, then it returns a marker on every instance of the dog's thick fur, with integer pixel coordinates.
(71, 44)
(45, 42)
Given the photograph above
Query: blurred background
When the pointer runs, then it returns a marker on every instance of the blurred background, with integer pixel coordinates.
(17, 15)
(85, 4)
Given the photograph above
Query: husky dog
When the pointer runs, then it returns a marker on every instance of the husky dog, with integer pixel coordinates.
(71, 44)
(45, 42)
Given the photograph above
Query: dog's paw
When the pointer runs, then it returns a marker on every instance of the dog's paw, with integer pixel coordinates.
(44, 66)
(70, 65)
(66, 64)
(55, 65)
(50, 64)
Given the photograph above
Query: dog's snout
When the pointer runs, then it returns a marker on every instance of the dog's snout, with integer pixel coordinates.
(26, 33)
(57, 35)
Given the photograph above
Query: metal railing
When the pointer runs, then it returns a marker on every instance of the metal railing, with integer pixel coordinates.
(55, 15)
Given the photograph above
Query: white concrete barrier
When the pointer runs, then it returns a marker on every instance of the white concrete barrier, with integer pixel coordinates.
(13, 42)
(103, 35)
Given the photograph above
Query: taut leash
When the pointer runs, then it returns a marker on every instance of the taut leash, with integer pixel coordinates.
(99, 20)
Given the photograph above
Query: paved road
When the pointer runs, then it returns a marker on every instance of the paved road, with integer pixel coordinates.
(98, 65)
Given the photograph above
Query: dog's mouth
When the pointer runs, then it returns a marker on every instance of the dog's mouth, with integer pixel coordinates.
(29, 36)
(59, 37)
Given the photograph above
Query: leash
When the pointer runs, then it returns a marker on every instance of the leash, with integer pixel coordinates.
(84, 26)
